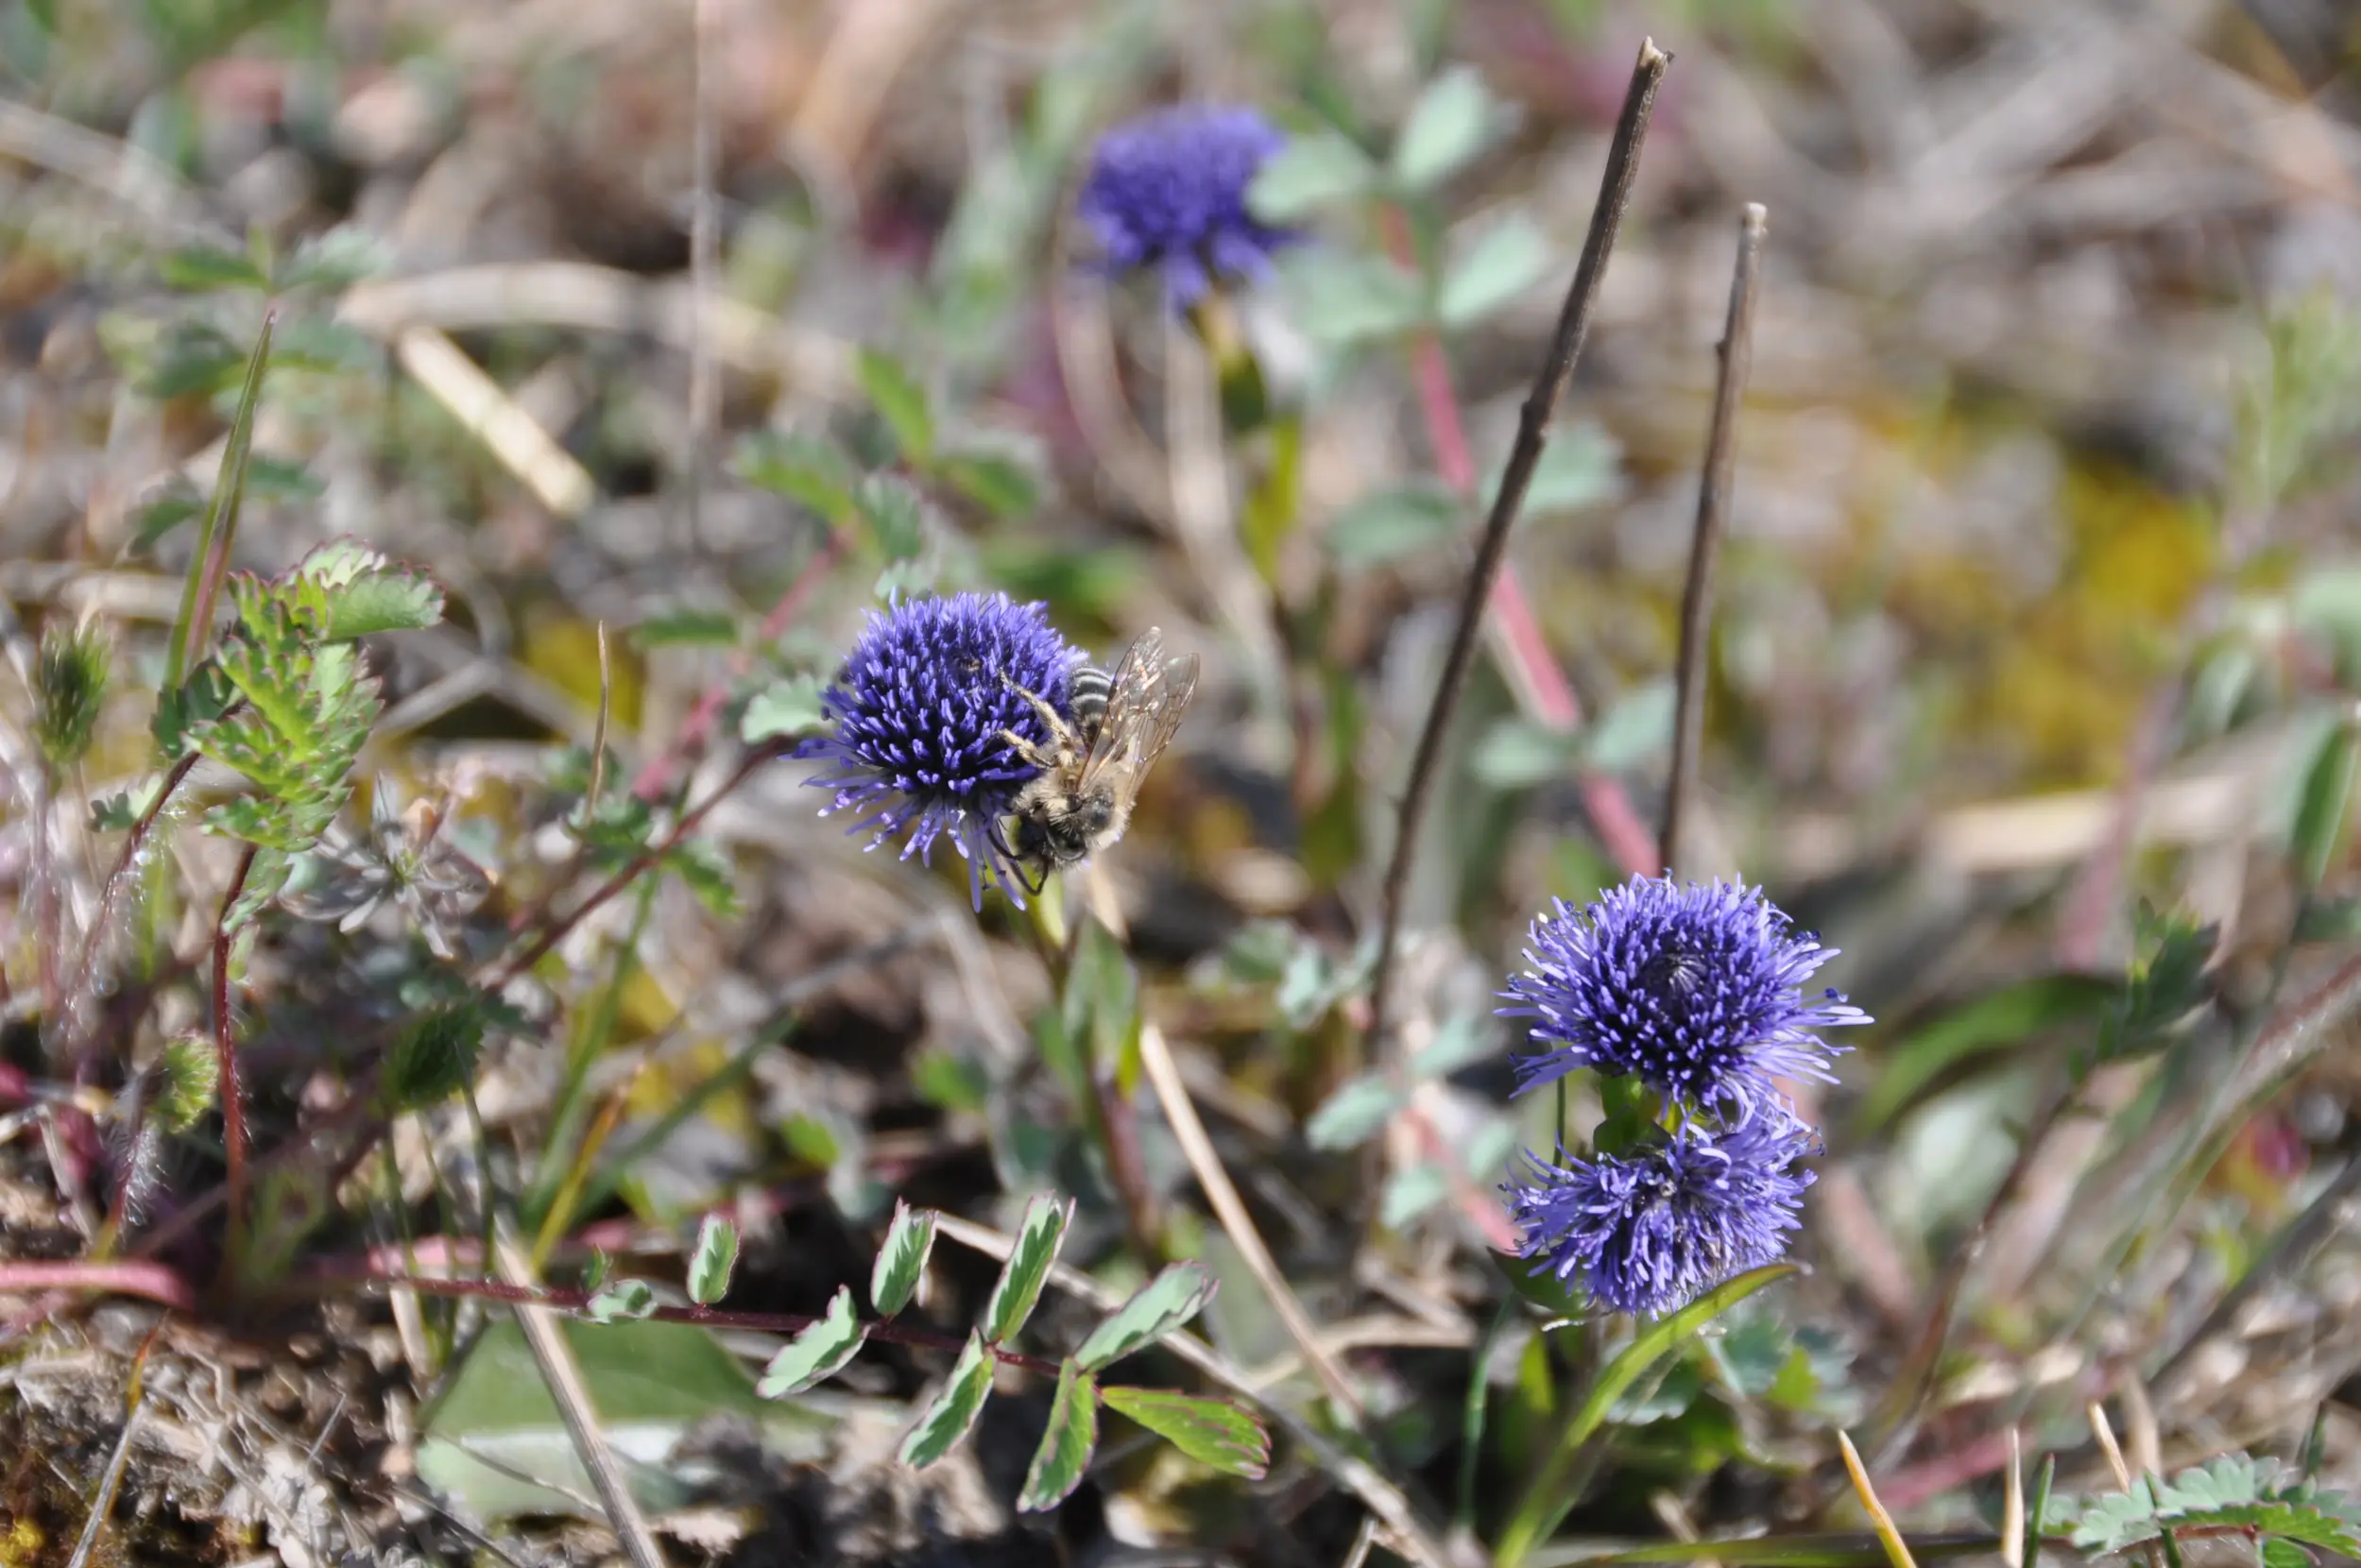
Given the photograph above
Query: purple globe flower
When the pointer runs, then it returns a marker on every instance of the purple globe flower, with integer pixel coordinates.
(1694, 989)
(920, 710)
(1168, 190)
(1652, 1231)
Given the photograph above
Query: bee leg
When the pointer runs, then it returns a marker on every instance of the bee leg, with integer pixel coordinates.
(1050, 716)
(1029, 750)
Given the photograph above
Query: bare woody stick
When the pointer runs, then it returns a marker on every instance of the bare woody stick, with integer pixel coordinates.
(1532, 435)
(1713, 519)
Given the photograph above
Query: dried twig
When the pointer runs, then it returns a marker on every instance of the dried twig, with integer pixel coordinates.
(513, 435)
(1532, 436)
(1713, 519)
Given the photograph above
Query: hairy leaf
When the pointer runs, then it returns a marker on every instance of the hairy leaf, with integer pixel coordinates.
(1210, 1431)
(1066, 1445)
(818, 1353)
(1154, 1310)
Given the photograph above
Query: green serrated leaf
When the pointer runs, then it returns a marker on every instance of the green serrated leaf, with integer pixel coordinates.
(357, 592)
(200, 268)
(801, 467)
(817, 1354)
(1354, 1114)
(896, 515)
(714, 1260)
(1156, 1309)
(1508, 259)
(787, 708)
(1451, 123)
(2325, 810)
(1028, 1266)
(686, 628)
(899, 401)
(1394, 525)
(1003, 485)
(954, 1410)
(1210, 1431)
(1065, 1444)
(625, 1301)
(902, 1262)
(1341, 299)
(1309, 173)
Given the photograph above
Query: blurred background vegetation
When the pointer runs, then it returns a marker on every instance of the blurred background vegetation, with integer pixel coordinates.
(666, 338)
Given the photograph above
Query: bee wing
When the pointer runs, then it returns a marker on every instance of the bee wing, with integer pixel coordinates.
(1144, 706)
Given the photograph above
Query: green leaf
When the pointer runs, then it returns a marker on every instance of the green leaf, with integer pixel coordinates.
(1411, 1192)
(1835, 1549)
(896, 515)
(1564, 1301)
(1548, 1497)
(1458, 1040)
(200, 268)
(954, 1410)
(1028, 1266)
(1517, 754)
(1580, 467)
(1451, 124)
(1394, 525)
(899, 401)
(789, 707)
(1309, 173)
(2279, 1552)
(1154, 1310)
(902, 1262)
(1636, 727)
(715, 1259)
(686, 628)
(2011, 1015)
(1508, 259)
(2326, 807)
(167, 511)
(817, 1354)
(1213, 1432)
(622, 1302)
(433, 1057)
(1340, 299)
(1354, 1114)
(1067, 1444)
(801, 467)
(1002, 483)
(270, 478)
(359, 593)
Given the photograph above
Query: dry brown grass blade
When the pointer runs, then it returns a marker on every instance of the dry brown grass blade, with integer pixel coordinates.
(1889, 1533)
(511, 434)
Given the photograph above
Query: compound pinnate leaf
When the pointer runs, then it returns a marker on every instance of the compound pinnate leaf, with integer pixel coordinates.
(357, 592)
(1067, 1445)
(1154, 1310)
(954, 1409)
(902, 1260)
(1451, 124)
(1210, 1431)
(819, 1352)
(622, 1301)
(899, 401)
(1028, 1266)
(715, 1259)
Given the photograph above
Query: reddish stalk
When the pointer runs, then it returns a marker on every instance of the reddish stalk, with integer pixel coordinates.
(226, 1052)
(1517, 640)
(658, 775)
(156, 1282)
(578, 1302)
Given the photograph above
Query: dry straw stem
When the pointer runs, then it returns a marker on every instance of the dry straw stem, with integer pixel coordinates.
(1532, 435)
(1737, 353)
(564, 1376)
(1888, 1534)
(512, 435)
(2012, 1505)
(1358, 1476)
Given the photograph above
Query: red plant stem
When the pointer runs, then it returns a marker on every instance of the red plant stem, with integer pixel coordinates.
(157, 1282)
(1517, 638)
(761, 1323)
(658, 775)
(226, 1050)
(556, 931)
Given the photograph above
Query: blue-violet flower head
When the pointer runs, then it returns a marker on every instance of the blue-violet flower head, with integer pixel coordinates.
(1696, 989)
(1168, 190)
(1651, 1230)
(921, 715)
